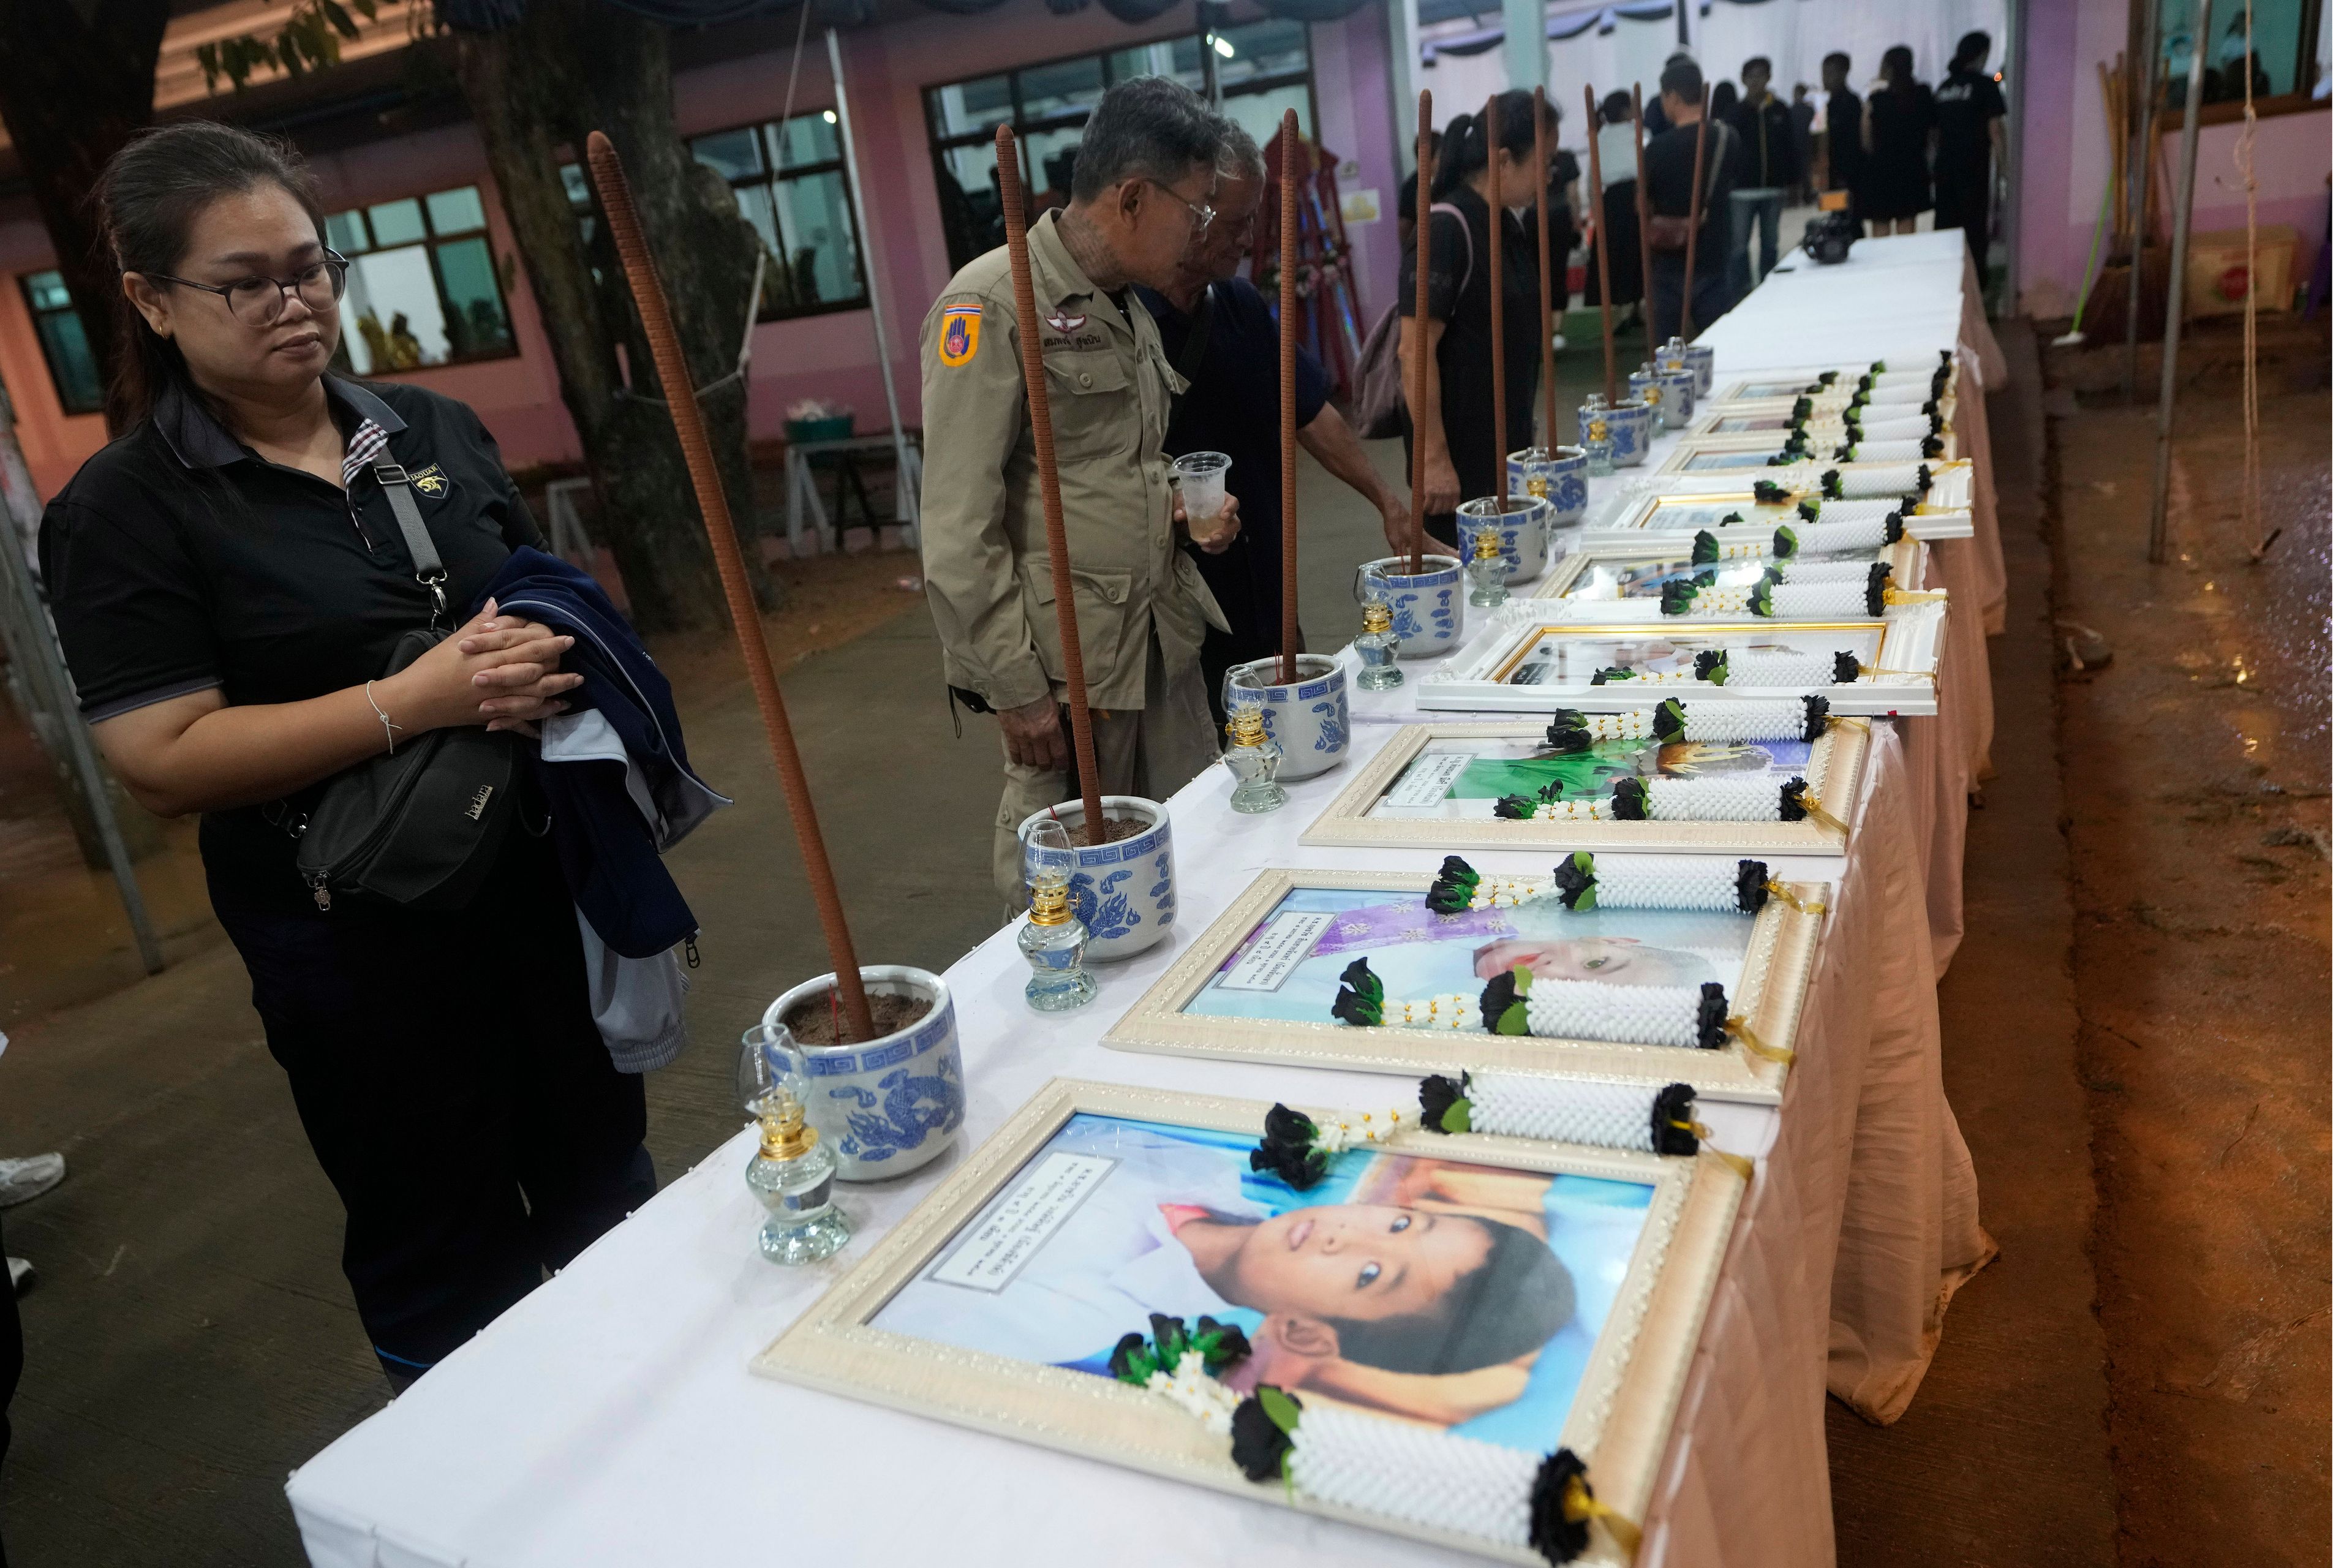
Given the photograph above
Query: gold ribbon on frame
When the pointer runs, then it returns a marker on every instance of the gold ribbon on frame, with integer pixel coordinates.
(1738, 1030)
(1814, 808)
(1780, 890)
(1913, 596)
(1580, 1507)
(1706, 1136)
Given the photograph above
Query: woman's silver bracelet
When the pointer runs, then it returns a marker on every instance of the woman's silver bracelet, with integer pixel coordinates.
(384, 718)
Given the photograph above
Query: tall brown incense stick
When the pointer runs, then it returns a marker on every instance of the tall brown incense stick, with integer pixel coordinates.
(857, 1018)
(1642, 226)
(1421, 334)
(1698, 199)
(1543, 284)
(1014, 192)
(1494, 290)
(1601, 248)
(1289, 395)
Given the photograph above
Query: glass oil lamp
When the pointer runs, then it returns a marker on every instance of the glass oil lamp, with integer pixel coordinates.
(1053, 939)
(791, 1174)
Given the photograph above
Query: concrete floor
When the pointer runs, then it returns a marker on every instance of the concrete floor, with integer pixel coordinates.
(192, 1339)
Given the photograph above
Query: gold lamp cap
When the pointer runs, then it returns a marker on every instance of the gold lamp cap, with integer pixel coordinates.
(784, 1131)
(1248, 726)
(1490, 543)
(1049, 903)
(1377, 617)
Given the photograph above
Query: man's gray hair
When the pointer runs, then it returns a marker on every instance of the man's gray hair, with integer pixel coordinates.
(1147, 127)
(1239, 157)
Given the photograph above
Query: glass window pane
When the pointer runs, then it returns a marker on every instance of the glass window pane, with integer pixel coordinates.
(758, 210)
(478, 318)
(72, 368)
(397, 223)
(2277, 39)
(803, 139)
(1260, 113)
(1049, 156)
(1177, 58)
(734, 153)
(965, 107)
(48, 291)
(575, 184)
(1272, 48)
(392, 313)
(347, 232)
(1070, 87)
(970, 209)
(820, 243)
(455, 211)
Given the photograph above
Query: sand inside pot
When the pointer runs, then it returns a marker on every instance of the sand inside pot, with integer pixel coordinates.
(1114, 829)
(812, 1022)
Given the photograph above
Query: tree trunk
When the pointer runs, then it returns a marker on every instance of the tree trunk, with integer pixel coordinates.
(568, 68)
(75, 81)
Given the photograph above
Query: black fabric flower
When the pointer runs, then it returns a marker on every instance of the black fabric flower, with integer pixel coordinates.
(1845, 669)
(1628, 802)
(1445, 1103)
(1931, 446)
(1502, 1005)
(1667, 722)
(1810, 510)
(1925, 477)
(1674, 598)
(1873, 590)
(1568, 731)
(1714, 1012)
(1752, 886)
(1262, 1427)
(1674, 1104)
(1450, 894)
(1559, 1511)
(1220, 1344)
(1713, 666)
(1132, 1360)
(1580, 887)
(1784, 542)
(1520, 808)
(1705, 548)
(1770, 494)
(1288, 1151)
(1832, 485)
(1759, 598)
(1360, 994)
(1792, 800)
(1817, 717)
(1905, 507)
(1612, 672)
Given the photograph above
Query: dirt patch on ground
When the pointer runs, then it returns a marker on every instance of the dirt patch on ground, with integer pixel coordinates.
(2196, 797)
(828, 600)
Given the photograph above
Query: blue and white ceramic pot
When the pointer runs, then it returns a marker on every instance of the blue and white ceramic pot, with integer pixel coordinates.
(1700, 357)
(1307, 718)
(1426, 606)
(1523, 521)
(889, 1105)
(1557, 474)
(1679, 395)
(1628, 422)
(1649, 387)
(1125, 890)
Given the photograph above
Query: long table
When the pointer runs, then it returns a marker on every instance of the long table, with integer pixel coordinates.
(611, 1417)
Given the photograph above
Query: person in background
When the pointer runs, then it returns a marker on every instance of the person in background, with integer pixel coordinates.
(230, 585)
(1971, 143)
(1840, 124)
(1724, 103)
(1462, 442)
(1223, 340)
(1145, 172)
(1801, 127)
(1761, 176)
(1618, 208)
(1896, 131)
(1683, 92)
(1653, 113)
(21, 1180)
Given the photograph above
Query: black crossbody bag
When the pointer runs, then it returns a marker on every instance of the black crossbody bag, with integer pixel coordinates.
(421, 826)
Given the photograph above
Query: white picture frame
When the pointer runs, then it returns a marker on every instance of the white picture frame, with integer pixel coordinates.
(1612, 581)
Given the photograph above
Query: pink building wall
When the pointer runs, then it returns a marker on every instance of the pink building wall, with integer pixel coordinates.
(2064, 171)
(833, 356)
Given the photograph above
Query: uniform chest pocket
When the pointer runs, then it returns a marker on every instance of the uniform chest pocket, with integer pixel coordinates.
(1095, 408)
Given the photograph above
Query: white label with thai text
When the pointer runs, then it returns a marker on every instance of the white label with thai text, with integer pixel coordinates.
(994, 1253)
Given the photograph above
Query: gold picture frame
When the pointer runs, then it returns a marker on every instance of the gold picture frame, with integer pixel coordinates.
(1769, 996)
(1567, 580)
(1624, 1406)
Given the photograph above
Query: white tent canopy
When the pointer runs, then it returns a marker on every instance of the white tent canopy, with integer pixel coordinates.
(1614, 46)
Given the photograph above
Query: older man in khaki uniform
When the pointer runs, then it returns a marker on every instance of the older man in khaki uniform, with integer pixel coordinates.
(1141, 188)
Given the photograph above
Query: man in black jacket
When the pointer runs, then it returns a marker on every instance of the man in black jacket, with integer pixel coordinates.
(1841, 122)
(1762, 178)
(1682, 98)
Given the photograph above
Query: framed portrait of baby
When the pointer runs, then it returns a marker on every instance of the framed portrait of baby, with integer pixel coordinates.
(1531, 786)
(1284, 973)
(1518, 1296)
(1605, 586)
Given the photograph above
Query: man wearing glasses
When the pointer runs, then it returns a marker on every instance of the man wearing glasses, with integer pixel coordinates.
(1143, 189)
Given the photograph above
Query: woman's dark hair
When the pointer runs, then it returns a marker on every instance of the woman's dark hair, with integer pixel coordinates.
(1683, 79)
(1972, 51)
(1727, 101)
(147, 201)
(1617, 107)
(1894, 66)
(1465, 150)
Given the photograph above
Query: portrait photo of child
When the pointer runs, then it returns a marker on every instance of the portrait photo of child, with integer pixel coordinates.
(1453, 1295)
(1569, 656)
(1460, 780)
(1289, 968)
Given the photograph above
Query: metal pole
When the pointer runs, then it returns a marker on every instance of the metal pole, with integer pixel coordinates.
(2142, 153)
(909, 498)
(1405, 55)
(2182, 205)
(49, 684)
(2012, 201)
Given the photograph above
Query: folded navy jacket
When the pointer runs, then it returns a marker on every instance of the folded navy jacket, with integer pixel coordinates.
(614, 770)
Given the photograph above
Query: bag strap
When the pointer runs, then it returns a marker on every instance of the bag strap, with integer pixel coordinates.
(420, 551)
(1469, 243)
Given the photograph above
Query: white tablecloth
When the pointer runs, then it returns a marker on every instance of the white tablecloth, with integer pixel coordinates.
(611, 1417)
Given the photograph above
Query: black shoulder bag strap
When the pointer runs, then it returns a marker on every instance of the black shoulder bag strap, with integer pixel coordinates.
(420, 551)
(1195, 349)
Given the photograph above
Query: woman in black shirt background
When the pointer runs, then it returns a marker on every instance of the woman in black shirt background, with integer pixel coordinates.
(230, 580)
(1896, 131)
(1461, 386)
(1970, 143)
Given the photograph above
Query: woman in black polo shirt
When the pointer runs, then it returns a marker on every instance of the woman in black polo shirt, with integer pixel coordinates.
(230, 580)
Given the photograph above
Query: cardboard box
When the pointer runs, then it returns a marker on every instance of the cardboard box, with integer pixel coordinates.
(2220, 274)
